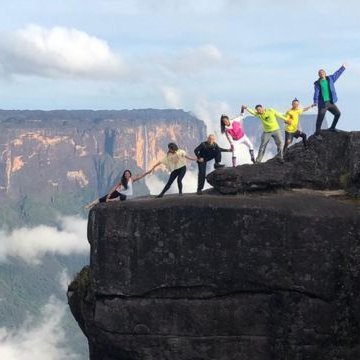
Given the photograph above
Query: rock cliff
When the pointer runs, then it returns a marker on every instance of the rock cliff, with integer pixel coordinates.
(333, 163)
(258, 275)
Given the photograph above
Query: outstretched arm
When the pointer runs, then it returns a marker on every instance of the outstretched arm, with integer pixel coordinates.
(155, 166)
(191, 158)
(308, 107)
(139, 177)
(281, 116)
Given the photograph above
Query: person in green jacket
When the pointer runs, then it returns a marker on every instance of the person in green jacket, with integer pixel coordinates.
(271, 128)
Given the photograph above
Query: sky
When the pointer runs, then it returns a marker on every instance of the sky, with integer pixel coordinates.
(207, 57)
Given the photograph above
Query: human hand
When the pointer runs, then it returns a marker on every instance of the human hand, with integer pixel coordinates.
(200, 160)
(345, 65)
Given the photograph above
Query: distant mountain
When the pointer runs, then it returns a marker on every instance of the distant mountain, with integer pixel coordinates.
(58, 160)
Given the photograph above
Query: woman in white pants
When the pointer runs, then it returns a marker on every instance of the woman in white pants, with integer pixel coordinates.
(236, 136)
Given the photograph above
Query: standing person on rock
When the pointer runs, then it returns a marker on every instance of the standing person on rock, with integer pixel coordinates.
(121, 191)
(325, 98)
(175, 162)
(235, 134)
(292, 128)
(271, 128)
(206, 151)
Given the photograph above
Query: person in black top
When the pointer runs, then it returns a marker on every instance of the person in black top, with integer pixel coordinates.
(205, 152)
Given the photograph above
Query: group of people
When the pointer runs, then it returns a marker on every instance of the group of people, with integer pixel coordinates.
(325, 99)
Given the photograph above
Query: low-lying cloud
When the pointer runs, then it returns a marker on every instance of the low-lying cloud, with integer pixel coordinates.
(31, 244)
(58, 52)
(44, 340)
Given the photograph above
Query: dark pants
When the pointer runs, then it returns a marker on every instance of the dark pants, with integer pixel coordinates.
(290, 136)
(179, 174)
(202, 169)
(115, 194)
(329, 106)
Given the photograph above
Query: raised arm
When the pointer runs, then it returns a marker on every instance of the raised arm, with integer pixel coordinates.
(251, 111)
(337, 73)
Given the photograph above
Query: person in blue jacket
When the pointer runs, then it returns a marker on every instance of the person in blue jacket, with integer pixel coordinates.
(325, 98)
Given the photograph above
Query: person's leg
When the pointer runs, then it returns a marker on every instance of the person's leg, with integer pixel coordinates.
(288, 141)
(122, 197)
(265, 138)
(201, 176)
(172, 177)
(320, 119)
(303, 137)
(336, 112)
(247, 142)
(276, 135)
(181, 175)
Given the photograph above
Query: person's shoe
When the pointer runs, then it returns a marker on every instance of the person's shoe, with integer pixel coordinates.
(181, 194)
(281, 160)
(318, 137)
(218, 166)
(199, 192)
(159, 196)
(333, 130)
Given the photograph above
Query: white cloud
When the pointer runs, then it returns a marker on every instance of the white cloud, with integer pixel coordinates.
(172, 96)
(41, 341)
(193, 60)
(31, 244)
(64, 279)
(210, 112)
(58, 52)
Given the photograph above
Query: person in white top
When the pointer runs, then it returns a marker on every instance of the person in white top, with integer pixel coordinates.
(235, 134)
(121, 191)
(175, 162)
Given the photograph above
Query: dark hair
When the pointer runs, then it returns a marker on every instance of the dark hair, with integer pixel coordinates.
(173, 146)
(222, 124)
(296, 99)
(258, 105)
(124, 180)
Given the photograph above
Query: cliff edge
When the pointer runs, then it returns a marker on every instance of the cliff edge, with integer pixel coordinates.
(260, 276)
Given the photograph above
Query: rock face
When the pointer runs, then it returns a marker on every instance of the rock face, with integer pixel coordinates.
(333, 163)
(254, 277)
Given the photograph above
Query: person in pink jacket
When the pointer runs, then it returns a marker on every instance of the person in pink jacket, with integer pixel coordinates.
(235, 134)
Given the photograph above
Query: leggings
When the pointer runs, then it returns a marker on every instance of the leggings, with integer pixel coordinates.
(179, 174)
(321, 114)
(115, 194)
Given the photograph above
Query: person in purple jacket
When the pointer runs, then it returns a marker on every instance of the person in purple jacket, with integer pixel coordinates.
(325, 98)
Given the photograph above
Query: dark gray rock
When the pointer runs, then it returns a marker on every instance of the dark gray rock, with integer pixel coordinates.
(333, 163)
(260, 277)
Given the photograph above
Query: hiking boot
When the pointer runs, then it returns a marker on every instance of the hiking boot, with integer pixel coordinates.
(199, 192)
(218, 165)
(318, 137)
